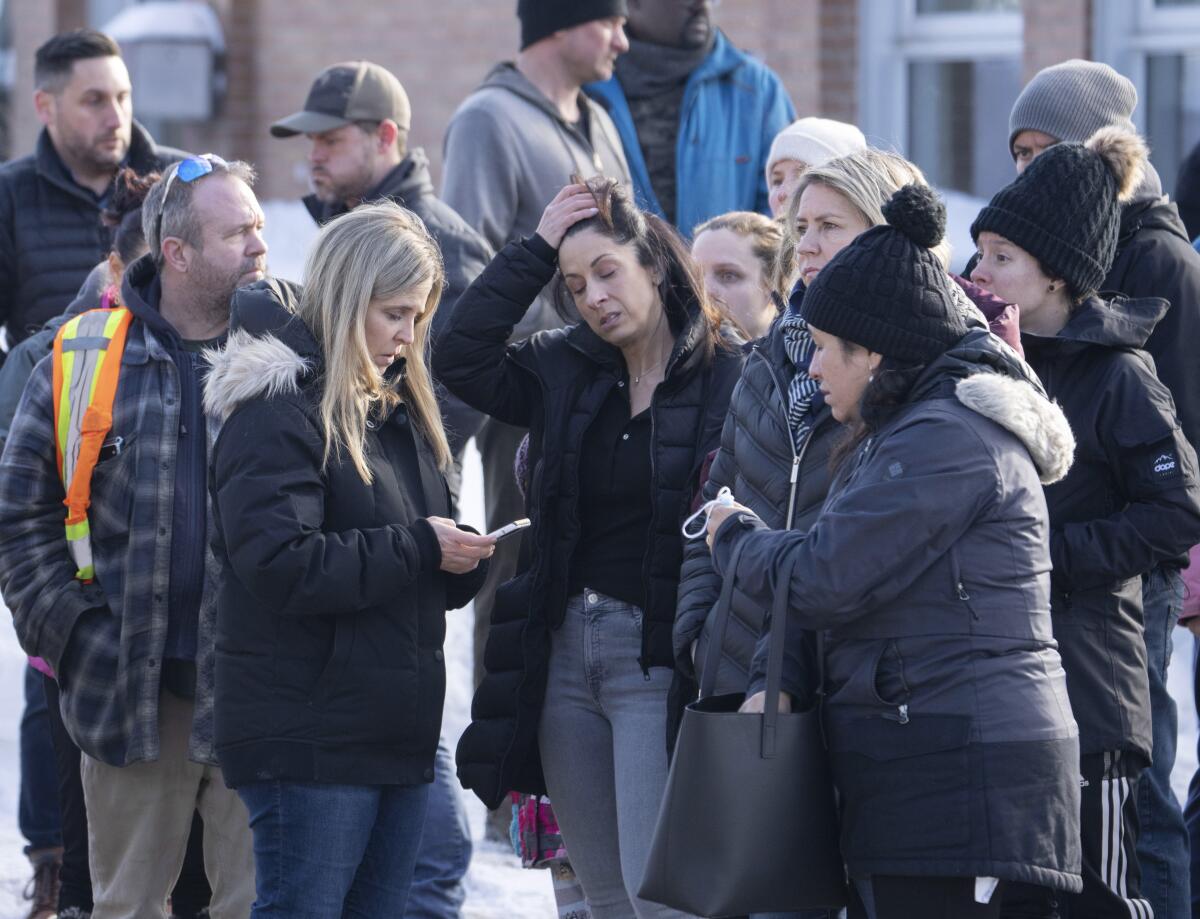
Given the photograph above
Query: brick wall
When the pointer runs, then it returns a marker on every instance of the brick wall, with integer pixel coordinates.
(1055, 31)
(439, 52)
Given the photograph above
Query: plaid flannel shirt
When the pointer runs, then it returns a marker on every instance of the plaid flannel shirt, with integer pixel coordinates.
(110, 689)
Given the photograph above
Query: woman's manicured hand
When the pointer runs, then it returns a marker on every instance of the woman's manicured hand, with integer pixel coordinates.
(717, 515)
(571, 205)
(757, 703)
(461, 551)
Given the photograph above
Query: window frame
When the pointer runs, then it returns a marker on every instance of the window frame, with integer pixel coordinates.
(893, 34)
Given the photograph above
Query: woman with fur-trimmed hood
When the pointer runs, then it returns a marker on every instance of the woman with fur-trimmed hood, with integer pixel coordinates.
(927, 572)
(1130, 501)
(339, 563)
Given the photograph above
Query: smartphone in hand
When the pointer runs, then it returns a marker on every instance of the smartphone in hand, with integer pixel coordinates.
(510, 528)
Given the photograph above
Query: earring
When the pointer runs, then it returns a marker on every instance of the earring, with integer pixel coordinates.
(1052, 288)
(870, 378)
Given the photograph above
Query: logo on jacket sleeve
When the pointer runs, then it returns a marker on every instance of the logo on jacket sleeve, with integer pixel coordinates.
(1166, 465)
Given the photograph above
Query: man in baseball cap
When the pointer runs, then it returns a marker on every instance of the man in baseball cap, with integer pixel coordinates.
(347, 93)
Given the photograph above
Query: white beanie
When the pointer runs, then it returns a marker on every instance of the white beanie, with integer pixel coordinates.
(815, 141)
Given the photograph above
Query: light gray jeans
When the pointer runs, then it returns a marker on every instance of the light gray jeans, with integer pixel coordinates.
(604, 752)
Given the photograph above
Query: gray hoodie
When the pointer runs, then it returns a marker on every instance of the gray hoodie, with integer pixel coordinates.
(508, 152)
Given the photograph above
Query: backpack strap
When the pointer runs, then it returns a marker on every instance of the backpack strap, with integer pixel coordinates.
(86, 367)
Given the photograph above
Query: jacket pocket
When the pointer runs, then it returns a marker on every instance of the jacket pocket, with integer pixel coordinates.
(905, 787)
(890, 685)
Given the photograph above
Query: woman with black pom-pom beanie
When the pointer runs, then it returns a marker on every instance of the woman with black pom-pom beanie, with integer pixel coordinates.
(1130, 504)
(950, 736)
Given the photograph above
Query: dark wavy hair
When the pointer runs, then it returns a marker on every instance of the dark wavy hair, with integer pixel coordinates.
(660, 250)
(123, 215)
(884, 396)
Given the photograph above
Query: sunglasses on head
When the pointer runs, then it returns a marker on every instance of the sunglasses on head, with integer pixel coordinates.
(188, 171)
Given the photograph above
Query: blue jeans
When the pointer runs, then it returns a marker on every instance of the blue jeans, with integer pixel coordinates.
(603, 743)
(326, 851)
(1192, 811)
(1162, 848)
(37, 811)
(438, 891)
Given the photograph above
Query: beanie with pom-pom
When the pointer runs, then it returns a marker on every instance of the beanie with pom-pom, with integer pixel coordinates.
(1065, 208)
(886, 291)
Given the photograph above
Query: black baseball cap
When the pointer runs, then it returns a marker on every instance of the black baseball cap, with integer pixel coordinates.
(346, 93)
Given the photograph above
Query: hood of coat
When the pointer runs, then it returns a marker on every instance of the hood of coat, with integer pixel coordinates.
(1115, 323)
(269, 350)
(506, 76)
(1151, 213)
(408, 181)
(991, 379)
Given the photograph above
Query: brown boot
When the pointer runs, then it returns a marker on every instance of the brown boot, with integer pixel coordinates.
(42, 889)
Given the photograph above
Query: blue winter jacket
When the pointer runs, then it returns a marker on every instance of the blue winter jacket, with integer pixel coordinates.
(733, 106)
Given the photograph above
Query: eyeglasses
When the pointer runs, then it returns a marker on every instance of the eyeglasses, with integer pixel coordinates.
(188, 171)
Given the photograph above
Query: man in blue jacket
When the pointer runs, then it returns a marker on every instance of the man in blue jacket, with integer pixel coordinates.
(696, 116)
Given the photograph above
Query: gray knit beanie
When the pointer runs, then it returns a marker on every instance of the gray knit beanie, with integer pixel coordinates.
(1073, 100)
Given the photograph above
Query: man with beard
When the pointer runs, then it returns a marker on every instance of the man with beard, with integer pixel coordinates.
(50, 201)
(357, 117)
(128, 628)
(696, 115)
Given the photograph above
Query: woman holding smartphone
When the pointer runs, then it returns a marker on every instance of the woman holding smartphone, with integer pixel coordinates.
(339, 565)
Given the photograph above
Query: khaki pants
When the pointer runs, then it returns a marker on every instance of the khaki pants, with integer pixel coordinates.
(139, 818)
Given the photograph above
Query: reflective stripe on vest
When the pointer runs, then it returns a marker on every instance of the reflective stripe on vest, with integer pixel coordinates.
(86, 366)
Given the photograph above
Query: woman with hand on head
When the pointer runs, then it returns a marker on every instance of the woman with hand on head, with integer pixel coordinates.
(339, 563)
(1130, 506)
(950, 738)
(739, 254)
(622, 409)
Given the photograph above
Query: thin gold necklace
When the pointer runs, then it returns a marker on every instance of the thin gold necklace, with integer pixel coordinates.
(638, 379)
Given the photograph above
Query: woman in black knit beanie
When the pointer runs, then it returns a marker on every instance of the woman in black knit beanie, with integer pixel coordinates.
(950, 738)
(1130, 503)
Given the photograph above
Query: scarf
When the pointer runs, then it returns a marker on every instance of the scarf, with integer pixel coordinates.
(804, 393)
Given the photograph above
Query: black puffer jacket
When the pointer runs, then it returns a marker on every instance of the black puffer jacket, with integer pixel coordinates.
(756, 462)
(331, 607)
(950, 736)
(464, 255)
(1155, 258)
(50, 231)
(554, 383)
(1130, 502)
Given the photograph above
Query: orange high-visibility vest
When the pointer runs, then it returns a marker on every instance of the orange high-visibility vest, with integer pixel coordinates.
(86, 365)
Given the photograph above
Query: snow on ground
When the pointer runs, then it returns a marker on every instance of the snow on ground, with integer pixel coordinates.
(497, 887)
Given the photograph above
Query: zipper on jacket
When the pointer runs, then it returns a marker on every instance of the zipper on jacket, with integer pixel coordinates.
(797, 456)
(960, 590)
(901, 716)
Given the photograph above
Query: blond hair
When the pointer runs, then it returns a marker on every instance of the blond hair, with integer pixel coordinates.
(374, 252)
(866, 179)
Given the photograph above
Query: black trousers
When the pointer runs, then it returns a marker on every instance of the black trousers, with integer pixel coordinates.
(924, 898)
(192, 892)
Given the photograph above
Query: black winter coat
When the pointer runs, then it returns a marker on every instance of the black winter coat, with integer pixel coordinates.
(50, 231)
(464, 255)
(756, 462)
(1155, 258)
(1130, 502)
(949, 732)
(554, 383)
(331, 605)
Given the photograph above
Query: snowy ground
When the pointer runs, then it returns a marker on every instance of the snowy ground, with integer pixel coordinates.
(497, 887)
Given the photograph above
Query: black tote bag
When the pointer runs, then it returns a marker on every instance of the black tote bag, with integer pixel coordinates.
(748, 822)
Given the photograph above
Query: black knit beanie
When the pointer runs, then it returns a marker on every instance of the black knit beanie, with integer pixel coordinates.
(540, 18)
(1065, 208)
(887, 291)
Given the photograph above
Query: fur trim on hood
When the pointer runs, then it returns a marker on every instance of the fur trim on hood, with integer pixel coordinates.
(1016, 406)
(249, 367)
